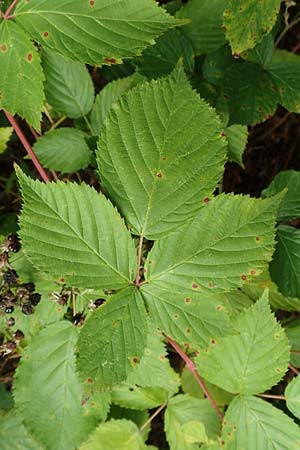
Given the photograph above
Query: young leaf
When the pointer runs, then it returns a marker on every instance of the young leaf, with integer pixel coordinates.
(5, 134)
(63, 149)
(292, 395)
(53, 415)
(193, 319)
(108, 96)
(21, 76)
(284, 69)
(252, 361)
(161, 58)
(251, 422)
(13, 434)
(189, 421)
(290, 206)
(218, 250)
(139, 398)
(237, 137)
(75, 234)
(68, 85)
(285, 266)
(115, 434)
(113, 339)
(94, 32)
(205, 30)
(247, 22)
(162, 141)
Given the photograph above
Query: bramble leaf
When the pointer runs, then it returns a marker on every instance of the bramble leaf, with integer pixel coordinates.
(285, 266)
(247, 22)
(68, 85)
(205, 30)
(218, 250)
(252, 361)
(251, 420)
(115, 434)
(21, 76)
(13, 434)
(292, 395)
(74, 233)
(5, 134)
(50, 414)
(113, 339)
(94, 32)
(150, 145)
(63, 149)
(237, 137)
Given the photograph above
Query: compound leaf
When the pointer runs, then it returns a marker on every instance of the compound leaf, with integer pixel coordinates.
(115, 434)
(63, 149)
(189, 421)
(74, 233)
(113, 339)
(93, 31)
(285, 266)
(54, 415)
(205, 30)
(253, 423)
(252, 361)
(247, 22)
(68, 85)
(21, 76)
(151, 145)
(218, 250)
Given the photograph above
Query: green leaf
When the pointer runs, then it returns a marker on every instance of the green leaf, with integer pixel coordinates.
(195, 319)
(5, 134)
(108, 96)
(188, 421)
(284, 69)
(64, 149)
(94, 32)
(68, 86)
(205, 30)
(21, 76)
(293, 333)
(253, 423)
(290, 205)
(162, 141)
(285, 266)
(237, 137)
(73, 232)
(115, 434)
(216, 63)
(13, 434)
(218, 250)
(47, 391)
(113, 339)
(249, 92)
(247, 23)
(262, 53)
(161, 58)
(139, 398)
(292, 395)
(252, 361)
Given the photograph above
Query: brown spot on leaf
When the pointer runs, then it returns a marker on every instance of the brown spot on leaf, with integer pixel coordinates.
(176, 316)
(110, 60)
(244, 277)
(90, 380)
(92, 2)
(62, 280)
(195, 286)
(188, 330)
(159, 175)
(213, 341)
(253, 272)
(29, 57)
(3, 47)
(257, 238)
(164, 158)
(206, 200)
(188, 300)
(219, 308)
(135, 360)
(46, 34)
(210, 284)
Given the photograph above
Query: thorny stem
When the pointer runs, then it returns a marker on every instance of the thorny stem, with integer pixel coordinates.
(6, 15)
(27, 147)
(279, 397)
(293, 369)
(191, 367)
(140, 248)
(153, 416)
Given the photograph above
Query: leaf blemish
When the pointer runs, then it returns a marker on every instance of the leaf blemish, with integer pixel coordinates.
(257, 238)
(45, 34)
(159, 175)
(195, 286)
(164, 158)
(253, 272)
(210, 284)
(219, 308)
(188, 330)
(90, 380)
(188, 300)
(244, 277)
(213, 341)
(29, 57)
(135, 360)
(110, 60)
(176, 316)
(92, 2)
(3, 47)
(206, 200)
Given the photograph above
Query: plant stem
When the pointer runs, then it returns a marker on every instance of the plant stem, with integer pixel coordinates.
(139, 264)
(295, 351)
(153, 416)
(287, 28)
(27, 147)
(6, 15)
(293, 369)
(192, 368)
(55, 124)
(88, 124)
(279, 397)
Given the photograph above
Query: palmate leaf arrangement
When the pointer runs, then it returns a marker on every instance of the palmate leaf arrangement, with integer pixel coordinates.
(165, 254)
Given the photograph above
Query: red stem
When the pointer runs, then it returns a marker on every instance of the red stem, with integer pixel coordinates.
(293, 369)
(27, 147)
(138, 277)
(6, 15)
(192, 368)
